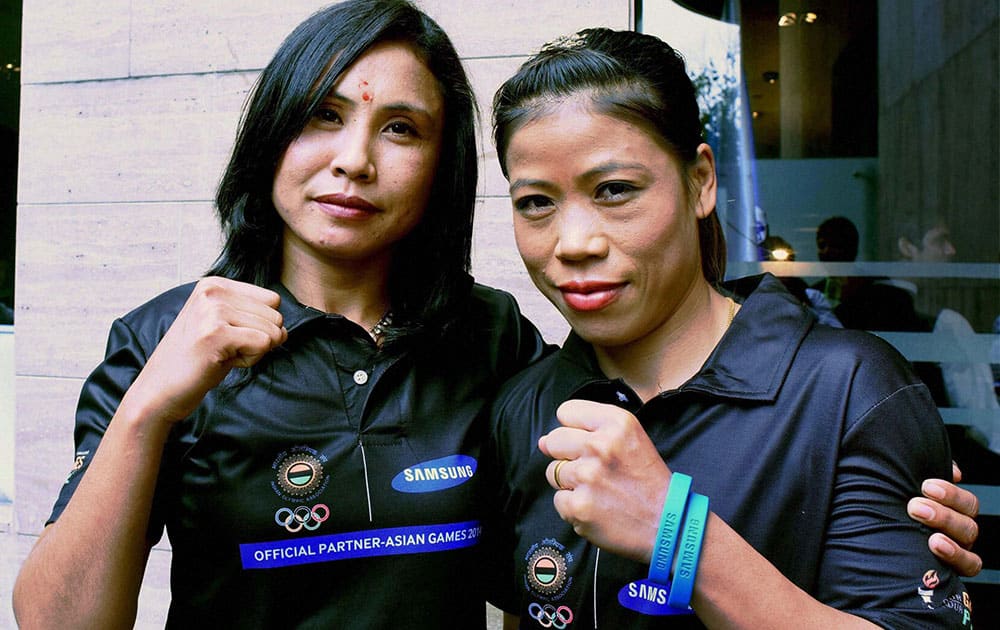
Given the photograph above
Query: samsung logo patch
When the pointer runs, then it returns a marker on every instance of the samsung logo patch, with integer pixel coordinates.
(436, 474)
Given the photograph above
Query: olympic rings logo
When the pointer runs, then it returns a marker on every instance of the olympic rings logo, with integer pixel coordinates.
(301, 517)
(548, 616)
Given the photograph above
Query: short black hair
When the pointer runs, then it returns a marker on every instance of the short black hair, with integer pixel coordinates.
(430, 269)
(839, 234)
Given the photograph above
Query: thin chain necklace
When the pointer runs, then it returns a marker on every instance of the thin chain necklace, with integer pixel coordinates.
(729, 322)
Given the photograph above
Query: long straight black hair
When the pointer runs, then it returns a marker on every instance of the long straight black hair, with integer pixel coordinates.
(632, 76)
(429, 273)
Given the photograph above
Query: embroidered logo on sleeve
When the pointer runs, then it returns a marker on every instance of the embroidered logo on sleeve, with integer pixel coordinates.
(930, 582)
(78, 463)
(959, 603)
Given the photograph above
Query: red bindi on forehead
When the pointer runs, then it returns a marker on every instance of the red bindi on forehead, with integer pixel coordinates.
(366, 94)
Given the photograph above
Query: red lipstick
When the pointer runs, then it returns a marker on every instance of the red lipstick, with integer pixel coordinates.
(346, 206)
(583, 295)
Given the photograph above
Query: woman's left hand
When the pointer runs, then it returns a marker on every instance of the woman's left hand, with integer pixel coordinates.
(611, 480)
(951, 510)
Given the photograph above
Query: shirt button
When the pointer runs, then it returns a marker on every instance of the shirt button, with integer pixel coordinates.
(361, 377)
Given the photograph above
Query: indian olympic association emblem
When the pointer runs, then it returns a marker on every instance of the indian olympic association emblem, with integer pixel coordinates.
(546, 572)
(299, 474)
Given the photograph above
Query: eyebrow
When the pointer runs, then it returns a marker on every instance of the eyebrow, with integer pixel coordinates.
(398, 106)
(600, 169)
(608, 167)
(524, 183)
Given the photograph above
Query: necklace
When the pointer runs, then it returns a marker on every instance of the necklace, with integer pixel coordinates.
(378, 329)
(729, 322)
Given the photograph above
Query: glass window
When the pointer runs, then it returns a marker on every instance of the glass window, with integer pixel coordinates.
(857, 148)
(10, 92)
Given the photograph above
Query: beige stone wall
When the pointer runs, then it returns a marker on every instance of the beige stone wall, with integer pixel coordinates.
(128, 112)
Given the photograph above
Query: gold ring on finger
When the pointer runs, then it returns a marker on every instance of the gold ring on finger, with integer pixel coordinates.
(555, 473)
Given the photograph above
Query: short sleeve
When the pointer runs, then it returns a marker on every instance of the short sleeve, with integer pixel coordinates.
(100, 396)
(876, 563)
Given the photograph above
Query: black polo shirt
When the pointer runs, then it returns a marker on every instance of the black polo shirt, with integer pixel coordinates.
(333, 486)
(808, 441)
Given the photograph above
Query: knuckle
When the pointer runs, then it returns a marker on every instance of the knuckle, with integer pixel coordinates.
(584, 475)
(971, 532)
(621, 425)
(602, 450)
(583, 511)
(209, 286)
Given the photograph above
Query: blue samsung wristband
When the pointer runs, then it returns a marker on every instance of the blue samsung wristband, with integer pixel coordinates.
(670, 524)
(689, 552)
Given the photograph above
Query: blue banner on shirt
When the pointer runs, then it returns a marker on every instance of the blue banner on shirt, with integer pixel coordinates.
(363, 544)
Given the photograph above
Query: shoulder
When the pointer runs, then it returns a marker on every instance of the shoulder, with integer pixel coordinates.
(484, 310)
(150, 321)
(538, 389)
(870, 376)
(777, 315)
(524, 408)
(497, 322)
(867, 356)
(490, 301)
(849, 372)
(534, 380)
(170, 301)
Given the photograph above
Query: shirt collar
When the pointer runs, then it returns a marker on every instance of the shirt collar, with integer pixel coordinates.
(293, 312)
(752, 358)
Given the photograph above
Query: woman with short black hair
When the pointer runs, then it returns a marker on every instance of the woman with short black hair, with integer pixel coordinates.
(697, 453)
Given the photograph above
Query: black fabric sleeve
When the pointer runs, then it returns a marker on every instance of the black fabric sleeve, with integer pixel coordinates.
(519, 344)
(876, 563)
(99, 399)
(498, 532)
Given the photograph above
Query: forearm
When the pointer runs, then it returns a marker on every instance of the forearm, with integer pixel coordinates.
(736, 587)
(86, 568)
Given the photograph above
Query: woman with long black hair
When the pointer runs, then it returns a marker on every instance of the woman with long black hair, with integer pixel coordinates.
(305, 423)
